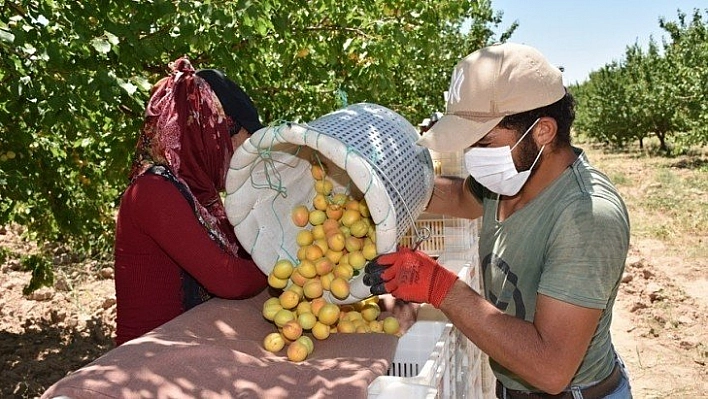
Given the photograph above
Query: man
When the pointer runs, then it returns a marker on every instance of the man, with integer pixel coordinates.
(554, 238)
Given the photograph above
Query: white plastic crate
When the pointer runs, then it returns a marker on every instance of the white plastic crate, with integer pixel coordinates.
(435, 360)
(447, 234)
(448, 163)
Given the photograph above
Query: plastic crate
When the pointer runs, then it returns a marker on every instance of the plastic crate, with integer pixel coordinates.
(434, 360)
(448, 163)
(447, 234)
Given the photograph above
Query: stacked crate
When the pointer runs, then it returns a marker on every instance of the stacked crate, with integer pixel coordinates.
(434, 359)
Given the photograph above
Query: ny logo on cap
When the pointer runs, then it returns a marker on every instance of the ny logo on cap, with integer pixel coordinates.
(456, 86)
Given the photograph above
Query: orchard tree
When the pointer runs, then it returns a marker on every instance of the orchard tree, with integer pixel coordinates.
(76, 75)
(652, 92)
(603, 111)
(687, 53)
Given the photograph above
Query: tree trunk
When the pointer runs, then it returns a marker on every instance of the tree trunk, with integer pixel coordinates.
(662, 142)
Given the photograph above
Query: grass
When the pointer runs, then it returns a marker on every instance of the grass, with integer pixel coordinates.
(667, 197)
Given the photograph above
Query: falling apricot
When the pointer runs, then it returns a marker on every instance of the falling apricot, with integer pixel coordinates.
(282, 269)
(307, 320)
(276, 282)
(370, 311)
(304, 238)
(349, 217)
(391, 325)
(323, 186)
(336, 241)
(318, 172)
(316, 217)
(328, 314)
(334, 211)
(300, 215)
(313, 289)
(320, 202)
(339, 287)
(289, 299)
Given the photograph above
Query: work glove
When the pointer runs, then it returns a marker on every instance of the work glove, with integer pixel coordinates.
(409, 275)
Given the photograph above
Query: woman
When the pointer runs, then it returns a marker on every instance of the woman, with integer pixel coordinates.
(174, 246)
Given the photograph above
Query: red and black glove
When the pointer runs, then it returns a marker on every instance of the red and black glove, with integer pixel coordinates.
(409, 275)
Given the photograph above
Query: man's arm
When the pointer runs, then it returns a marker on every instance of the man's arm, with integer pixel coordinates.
(452, 198)
(545, 353)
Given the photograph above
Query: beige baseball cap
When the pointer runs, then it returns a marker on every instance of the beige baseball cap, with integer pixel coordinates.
(489, 84)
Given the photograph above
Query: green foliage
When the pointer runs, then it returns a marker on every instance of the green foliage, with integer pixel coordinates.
(652, 92)
(42, 272)
(75, 77)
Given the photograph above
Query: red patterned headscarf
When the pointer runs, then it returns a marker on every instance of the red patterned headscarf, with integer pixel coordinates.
(187, 131)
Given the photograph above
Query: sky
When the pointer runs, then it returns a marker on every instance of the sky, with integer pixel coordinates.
(585, 35)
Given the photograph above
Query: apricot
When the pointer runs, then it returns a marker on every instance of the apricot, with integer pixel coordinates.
(282, 269)
(313, 289)
(276, 282)
(300, 215)
(336, 241)
(324, 186)
(339, 287)
(307, 268)
(273, 342)
(283, 316)
(307, 341)
(328, 314)
(346, 326)
(320, 202)
(316, 217)
(334, 211)
(349, 217)
(289, 299)
(304, 238)
(318, 172)
(292, 330)
(297, 351)
(307, 320)
(391, 325)
(320, 331)
(370, 311)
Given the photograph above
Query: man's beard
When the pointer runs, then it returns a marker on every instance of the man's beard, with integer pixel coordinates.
(528, 151)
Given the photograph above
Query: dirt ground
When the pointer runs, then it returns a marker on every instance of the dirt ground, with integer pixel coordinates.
(660, 326)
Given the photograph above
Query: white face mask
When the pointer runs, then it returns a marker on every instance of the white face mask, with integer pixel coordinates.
(493, 167)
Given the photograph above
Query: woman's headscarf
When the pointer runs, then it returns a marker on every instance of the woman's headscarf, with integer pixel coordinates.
(186, 131)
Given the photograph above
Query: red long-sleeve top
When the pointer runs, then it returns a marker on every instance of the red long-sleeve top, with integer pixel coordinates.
(158, 239)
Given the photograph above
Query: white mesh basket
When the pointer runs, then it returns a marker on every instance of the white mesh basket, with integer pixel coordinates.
(368, 150)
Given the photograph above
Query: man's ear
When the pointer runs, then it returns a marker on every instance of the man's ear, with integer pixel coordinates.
(545, 131)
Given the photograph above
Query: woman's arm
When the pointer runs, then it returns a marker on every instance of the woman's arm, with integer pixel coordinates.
(168, 218)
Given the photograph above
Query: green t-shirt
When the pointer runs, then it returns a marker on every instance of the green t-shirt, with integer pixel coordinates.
(569, 243)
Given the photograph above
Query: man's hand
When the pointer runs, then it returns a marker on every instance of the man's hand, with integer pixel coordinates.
(409, 275)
